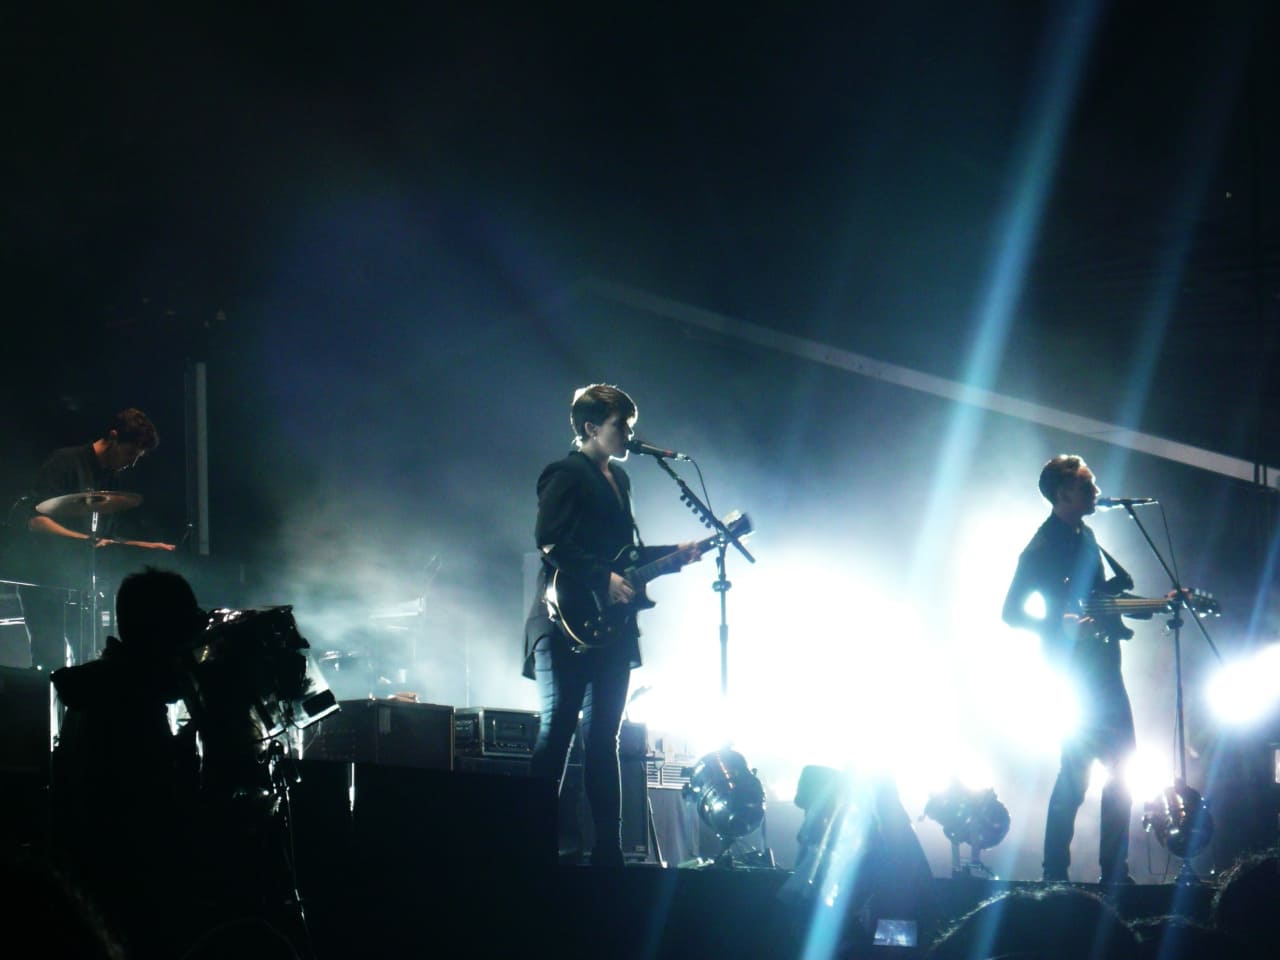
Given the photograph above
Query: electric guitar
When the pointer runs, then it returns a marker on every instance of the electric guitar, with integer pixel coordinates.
(1106, 611)
(588, 623)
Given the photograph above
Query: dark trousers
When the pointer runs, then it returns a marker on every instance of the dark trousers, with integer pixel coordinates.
(1106, 735)
(594, 682)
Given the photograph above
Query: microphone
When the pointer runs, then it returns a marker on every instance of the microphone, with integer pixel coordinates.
(1125, 501)
(639, 446)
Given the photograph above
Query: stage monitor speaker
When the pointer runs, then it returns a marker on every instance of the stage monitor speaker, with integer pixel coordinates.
(637, 840)
(416, 735)
(24, 718)
(576, 830)
(403, 816)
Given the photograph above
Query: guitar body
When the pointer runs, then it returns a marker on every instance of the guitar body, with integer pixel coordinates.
(588, 624)
(1107, 627)
(590, 621)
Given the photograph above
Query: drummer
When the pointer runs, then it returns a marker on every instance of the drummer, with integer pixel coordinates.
(93, 466)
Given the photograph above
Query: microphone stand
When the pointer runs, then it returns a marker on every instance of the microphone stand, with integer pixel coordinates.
(1185, 874)
(722, 584)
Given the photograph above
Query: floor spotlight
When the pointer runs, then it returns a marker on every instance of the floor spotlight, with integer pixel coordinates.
(728, 795)
(969, 816)
(1180, 819)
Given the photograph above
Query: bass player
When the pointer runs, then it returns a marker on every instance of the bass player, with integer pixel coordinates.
(1063, 564)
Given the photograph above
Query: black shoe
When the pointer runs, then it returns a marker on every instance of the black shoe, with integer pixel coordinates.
(1055, 876)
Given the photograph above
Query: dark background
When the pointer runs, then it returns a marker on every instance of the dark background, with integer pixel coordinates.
(372, 224)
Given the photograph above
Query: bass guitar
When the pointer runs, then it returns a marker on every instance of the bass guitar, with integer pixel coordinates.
(1106, 611)
(589, 623)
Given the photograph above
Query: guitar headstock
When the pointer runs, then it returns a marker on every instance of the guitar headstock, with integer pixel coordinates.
(738, 524)
(1201, 604)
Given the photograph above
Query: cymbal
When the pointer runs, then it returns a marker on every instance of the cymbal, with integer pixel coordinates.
(89, 502)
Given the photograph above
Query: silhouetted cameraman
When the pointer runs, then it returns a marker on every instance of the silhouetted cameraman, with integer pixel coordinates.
(124, 784)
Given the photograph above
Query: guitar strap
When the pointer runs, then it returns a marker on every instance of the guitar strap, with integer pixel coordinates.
(1120, 580)
(625, 503)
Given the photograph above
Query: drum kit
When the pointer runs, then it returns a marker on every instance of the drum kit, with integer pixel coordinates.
(374, 660)
(366, 666)
(371, 664)
(94, 505)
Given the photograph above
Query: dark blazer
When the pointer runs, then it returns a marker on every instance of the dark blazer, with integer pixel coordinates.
(586, 525)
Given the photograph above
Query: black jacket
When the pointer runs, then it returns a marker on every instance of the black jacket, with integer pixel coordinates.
(582, 520)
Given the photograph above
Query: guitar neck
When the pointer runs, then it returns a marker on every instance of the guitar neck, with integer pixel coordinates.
(1126, 606)
(664, 565)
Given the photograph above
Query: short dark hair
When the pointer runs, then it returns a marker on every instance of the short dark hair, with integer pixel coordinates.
(134, 426)
(1248, 889)
(596, 404)
(1053, 922)
(1058, 473)
(156, 609)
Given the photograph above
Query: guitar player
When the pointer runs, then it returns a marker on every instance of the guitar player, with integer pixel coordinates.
(1063, 563)
(584, 522)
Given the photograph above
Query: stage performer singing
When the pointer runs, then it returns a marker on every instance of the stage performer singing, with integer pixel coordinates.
(584, 521)
(1063, 564)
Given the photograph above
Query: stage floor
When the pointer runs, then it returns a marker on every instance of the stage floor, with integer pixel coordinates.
(640, 911)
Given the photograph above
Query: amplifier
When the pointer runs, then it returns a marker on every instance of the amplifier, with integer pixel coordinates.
(24, 718)
(665, 775)
(669, 762)
(385, 731)
(488, 732)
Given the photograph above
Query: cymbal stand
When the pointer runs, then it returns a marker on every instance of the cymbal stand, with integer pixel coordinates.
(95, 617)
(722, 585)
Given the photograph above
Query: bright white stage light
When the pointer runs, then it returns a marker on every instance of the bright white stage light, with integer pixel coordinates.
(1026, 707)
(839, 663)
(950, 762)
(781, 789)
(1098, 777)
(701, 722)
(1147, 773)
(1012, 699)
(834, 659)
(1245, 691)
